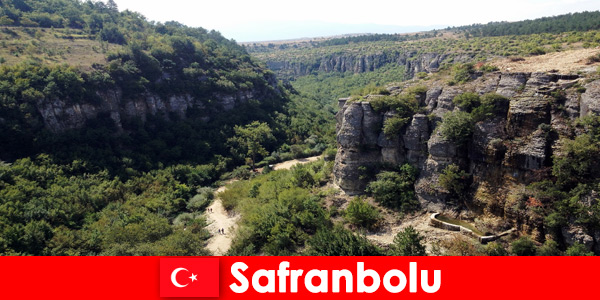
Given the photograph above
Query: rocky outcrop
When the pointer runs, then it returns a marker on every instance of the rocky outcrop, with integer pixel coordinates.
(575, 234)
(516, 142)
(357, 137)
(61, 114)
(589, 99)
(359, 63)
(506, 151)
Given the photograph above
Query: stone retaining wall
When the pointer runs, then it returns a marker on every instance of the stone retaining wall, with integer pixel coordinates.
(433, 221)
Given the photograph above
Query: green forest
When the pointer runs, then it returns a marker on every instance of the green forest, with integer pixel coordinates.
(117, 131)
(60, 192)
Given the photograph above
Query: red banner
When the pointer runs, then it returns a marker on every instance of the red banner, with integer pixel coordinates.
(297, 277)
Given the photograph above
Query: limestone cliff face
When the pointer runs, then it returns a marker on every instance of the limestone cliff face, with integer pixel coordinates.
(509, 150)
(359, 63)
(60, 114)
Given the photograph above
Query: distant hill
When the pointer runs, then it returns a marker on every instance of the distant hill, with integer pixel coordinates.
(582, 21)
(431, 50)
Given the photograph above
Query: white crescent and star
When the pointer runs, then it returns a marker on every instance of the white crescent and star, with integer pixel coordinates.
(174, 277)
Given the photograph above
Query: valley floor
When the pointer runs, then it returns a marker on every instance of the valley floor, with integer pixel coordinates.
(219, 218)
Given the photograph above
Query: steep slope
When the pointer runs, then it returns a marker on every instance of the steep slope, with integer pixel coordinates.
(506, 152)
(113, 128)
(73, 66)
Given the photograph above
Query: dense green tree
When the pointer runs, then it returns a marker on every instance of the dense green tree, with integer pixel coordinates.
(467, 101)
(339, 241)
(549, 248)
(395, 189)
(457, 127)
(578, 249)
(455, 181)
(495, 249)
(523, 246)
(576, 162)
(362, 214)
(249, 141)
(408, 242)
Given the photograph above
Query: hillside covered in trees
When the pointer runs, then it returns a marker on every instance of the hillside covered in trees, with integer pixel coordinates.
(113, 128)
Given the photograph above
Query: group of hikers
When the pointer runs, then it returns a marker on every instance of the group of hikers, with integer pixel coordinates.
(221, 231)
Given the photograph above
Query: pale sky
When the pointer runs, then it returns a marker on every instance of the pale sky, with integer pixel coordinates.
(253, 20)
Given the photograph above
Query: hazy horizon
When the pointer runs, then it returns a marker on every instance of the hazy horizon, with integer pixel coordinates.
(266, 20)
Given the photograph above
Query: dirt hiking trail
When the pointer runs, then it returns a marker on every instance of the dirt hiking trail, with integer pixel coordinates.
(218, 218)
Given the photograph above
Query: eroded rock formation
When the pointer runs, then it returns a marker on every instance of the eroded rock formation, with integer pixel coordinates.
(509, 150)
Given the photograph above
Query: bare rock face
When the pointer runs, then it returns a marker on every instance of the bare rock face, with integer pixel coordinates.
(488, 84)
(444, 100)
(432, 96)
(487, 143)
(512, 83)
(412, 61)
(61, 114)
(589, 100)
(371, 125)
(350, 133)
(392, 150)
(526, 114)
(358, 140)
(530, 153)
(415, 139)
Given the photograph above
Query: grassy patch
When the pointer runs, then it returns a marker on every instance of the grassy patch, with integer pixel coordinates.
(52, 46)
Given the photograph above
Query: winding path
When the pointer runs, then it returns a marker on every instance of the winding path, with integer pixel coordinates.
(218, 218)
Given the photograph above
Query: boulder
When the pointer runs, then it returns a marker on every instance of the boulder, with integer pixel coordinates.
(575, 234)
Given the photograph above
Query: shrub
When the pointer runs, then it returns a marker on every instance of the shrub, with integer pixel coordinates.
(393, 126)
(524, 246)
(467, 101)
(488, 68)
(242, 172)
(408, 242)
(495, 249)
(457, 127)
(404, 104)
(339, 241)
(372, 89)
(395, 189)
(329, 154)
(577, 161)
(184, 218)
(549, 248)
(201, 200)
(461, 245)
(537, 51)
(417, 90)
(593, 59)
(455, 181)
(362, 214)
(302, 176)
(462, 73)
(578, 249)
(483, 107)
(492, 103)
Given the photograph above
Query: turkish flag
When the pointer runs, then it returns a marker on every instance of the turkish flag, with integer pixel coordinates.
(189, 277)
